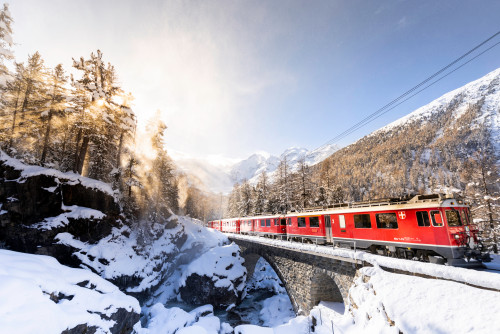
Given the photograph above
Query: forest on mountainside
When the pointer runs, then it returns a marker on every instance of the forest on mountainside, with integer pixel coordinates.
(451, 150)
(84, 123)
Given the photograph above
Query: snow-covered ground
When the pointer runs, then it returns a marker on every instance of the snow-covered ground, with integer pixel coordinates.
(382, 302)
(39, 295)
(38, 288)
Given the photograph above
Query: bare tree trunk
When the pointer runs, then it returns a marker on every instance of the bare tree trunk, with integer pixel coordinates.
(120, 145)
(14, 119)
(46, 139)
(83, 152)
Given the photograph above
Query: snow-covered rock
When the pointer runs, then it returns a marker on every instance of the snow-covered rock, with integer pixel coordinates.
(39, 295)
(265, 278)
(38, 203)
(217, 277)
(144, 261)
(161, 320)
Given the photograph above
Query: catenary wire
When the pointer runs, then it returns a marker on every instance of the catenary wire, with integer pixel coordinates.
(383, 110)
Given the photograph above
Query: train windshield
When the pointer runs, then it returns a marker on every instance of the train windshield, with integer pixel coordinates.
(453, 218)
(463, 215)
(436, 218)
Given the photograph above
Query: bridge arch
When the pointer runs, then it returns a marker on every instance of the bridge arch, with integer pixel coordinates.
(324, 288)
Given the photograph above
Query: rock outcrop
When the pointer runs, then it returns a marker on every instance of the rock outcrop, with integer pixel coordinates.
(217, 278)
(36, 204)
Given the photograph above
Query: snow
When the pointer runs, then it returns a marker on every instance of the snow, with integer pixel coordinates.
(264, 277)
(175, 320)
(71, 212)
(382, 302)
(31, 170)
(472, 277)
(27, 283)
(221, 264)
(276, 310)
(123, 253)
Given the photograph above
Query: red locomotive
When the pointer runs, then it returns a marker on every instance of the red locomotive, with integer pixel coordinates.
(434, 228)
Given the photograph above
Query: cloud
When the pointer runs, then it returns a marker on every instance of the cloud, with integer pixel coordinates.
(402, 22)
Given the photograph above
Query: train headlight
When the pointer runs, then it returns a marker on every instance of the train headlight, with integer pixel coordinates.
(457, 236)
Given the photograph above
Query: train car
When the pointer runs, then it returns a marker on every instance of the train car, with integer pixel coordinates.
(435, 228)
(230, 225)
(215, 224)
(427, 227)
(307, 226)
(247, 225)
(270, 226)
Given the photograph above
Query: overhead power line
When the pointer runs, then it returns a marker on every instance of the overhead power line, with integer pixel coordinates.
(406, 96)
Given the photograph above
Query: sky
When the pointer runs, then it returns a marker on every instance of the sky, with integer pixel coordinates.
(235, 77)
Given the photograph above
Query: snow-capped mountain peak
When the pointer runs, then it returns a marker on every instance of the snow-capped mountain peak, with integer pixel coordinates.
(219, 179)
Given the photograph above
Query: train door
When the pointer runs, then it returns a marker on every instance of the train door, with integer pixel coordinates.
(283, 225)
(328, 228)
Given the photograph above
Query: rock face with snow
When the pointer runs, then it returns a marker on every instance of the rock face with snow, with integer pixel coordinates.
(217, 277)
(38, 203)
(39, 295)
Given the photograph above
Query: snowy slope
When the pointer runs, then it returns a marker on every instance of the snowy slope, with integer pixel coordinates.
(39, 295)
(487, 88)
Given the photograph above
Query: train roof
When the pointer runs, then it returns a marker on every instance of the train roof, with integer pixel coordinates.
(415, 202)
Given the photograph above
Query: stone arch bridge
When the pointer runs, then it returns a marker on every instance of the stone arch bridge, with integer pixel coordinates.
(311, 277)
(308, 277)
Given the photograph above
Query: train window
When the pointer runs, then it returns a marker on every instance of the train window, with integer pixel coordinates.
(453, 218)
(342, 222)
(464, 219)
(289, 221)
(301, 221)
(314, 221)
(423, 218)
(436, 218)
(262, 223)
(386, 220)
(362, 221)
(268, 222)
(283, 221)
(467, 214)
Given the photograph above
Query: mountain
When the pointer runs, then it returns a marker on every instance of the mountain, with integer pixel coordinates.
(220, 175)
(439, 147)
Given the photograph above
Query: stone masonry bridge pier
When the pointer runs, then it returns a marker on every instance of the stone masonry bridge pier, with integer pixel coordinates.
(308, 277)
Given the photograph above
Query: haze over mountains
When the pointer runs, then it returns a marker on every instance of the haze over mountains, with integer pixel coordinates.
(220, 176)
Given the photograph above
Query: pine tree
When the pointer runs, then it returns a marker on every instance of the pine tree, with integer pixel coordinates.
(305, 185)
(27, 132)
(57, 95)
(95, 92)
(261, 194)
(283, 186)
(6, 43)
(481, 174)
(163, 187)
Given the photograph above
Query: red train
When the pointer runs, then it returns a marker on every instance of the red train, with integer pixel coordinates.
(435, 228)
